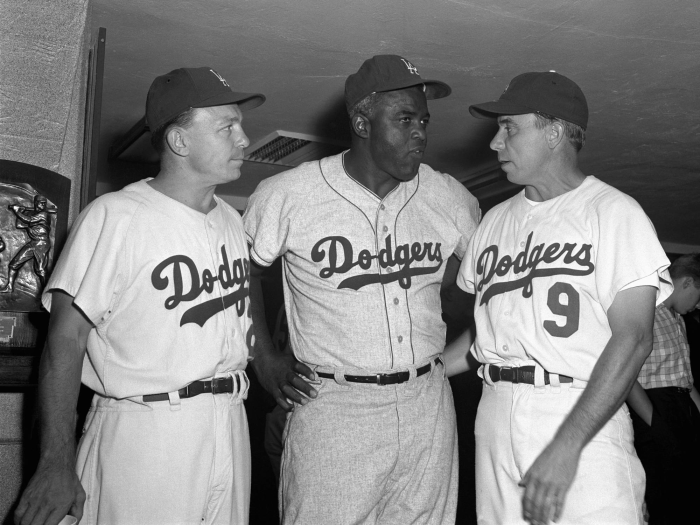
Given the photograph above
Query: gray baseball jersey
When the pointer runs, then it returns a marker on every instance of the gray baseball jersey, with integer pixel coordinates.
(165, 286)
(363, 274)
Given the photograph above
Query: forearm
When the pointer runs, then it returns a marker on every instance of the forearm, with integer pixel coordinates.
(610, 383)
(639, 401)
(263, 341)
(695, 396)
(456, 353)
(59, 384)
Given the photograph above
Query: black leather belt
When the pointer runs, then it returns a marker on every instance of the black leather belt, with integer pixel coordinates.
(520, 374)
(219, 385)
(383, 379)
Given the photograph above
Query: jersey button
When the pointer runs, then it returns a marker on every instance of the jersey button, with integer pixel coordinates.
(522, 244)
(400, 339)
(389, 270)
(505, 348)
(386, 228)
(396, 300)
(382, 207)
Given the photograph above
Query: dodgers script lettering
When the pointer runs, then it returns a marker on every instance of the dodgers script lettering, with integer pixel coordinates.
(338, 252)
(489, 264)
(236, 273)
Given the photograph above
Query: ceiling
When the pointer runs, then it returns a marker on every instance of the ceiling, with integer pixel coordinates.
(637, 61)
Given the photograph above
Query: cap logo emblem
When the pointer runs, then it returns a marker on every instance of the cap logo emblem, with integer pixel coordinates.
(506, 89)
(411, 68)
(222, 79)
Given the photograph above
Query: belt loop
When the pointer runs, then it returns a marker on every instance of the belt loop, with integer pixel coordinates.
(240, 384)
(578, 383)
(555, 383)
(339, 377)
(411, 384)
(486, 374)
(539, 380)
(175, 401)
(434, 362)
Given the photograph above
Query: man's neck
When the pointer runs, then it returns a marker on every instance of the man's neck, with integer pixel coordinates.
(360, 168)
(178, 186)
(553, 184)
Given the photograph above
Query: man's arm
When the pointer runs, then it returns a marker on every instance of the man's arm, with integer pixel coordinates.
(55, 489)
(451, 271)
(631, 318)
(456, 356)
(695, 396)
(639, 401)
(278, 372)
(456, 302)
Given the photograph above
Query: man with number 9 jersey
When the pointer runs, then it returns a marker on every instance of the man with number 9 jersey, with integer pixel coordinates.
(566, 276)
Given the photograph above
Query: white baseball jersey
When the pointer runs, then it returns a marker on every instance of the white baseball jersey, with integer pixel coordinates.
(362, 274)
(165, 286)
(545, 274)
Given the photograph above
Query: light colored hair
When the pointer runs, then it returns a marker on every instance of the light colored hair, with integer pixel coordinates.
(575, 134)
(183, 120)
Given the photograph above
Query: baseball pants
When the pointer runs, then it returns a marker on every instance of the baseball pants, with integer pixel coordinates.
(372, 454)
(183, 461)
(515, 422)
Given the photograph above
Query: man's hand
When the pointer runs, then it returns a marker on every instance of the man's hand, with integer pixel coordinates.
(52, 493)
(282, 376)
(547, 483)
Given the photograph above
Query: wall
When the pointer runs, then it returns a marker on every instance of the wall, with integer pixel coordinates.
(42, 97)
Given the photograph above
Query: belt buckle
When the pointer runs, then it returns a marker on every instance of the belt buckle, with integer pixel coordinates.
(218, 384)
(379, 378)
(511, 374)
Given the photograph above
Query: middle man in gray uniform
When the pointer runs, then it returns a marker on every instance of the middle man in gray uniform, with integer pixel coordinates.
(368, 238)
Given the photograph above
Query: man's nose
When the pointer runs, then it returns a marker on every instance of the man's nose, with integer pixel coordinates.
(242, 140)
(497, 142)
(420, 132)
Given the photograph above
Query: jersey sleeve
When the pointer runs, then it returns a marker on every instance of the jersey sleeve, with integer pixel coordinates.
(91, 264)
(468, 215)
(266, 221)
(629, 252)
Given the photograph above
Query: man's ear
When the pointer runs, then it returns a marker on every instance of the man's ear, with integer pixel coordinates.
(176, 141)
(360, 126)
(554, 134)
(688, 282)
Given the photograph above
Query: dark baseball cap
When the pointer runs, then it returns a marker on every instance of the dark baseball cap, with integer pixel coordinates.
(544, 92)
(192, 87)
(389, 73)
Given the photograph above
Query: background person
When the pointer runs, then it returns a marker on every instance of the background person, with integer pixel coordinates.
(664, 403)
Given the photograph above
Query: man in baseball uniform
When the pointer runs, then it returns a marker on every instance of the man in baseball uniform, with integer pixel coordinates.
(150, 300)
(566, 276)
(663, 401)
(367, 238)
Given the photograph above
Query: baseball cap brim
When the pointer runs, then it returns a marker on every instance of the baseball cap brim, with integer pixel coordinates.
(244, 101)
(434, 89)
(499, 107)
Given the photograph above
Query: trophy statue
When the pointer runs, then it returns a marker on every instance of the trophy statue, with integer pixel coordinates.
(37, 223)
